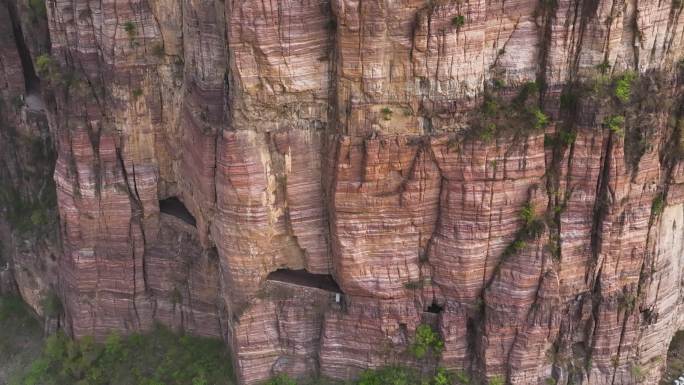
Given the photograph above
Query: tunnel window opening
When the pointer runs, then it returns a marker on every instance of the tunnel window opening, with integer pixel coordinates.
(435, 308)
(675, 360)
(304, 278)
(174, 207)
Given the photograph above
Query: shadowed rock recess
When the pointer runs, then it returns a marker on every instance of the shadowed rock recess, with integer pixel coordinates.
(510, 172)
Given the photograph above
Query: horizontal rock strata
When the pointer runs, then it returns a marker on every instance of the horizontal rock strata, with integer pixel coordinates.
(467, 165)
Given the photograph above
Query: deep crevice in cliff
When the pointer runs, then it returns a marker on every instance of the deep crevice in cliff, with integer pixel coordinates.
(304, 278)
(435, 308)
(31, 80)
(174, 207)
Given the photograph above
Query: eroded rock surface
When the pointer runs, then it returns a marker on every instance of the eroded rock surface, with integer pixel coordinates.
(398, 146)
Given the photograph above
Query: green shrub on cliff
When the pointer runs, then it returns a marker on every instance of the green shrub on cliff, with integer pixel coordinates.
(129, 27)
(658, 205)
(391, 375)
(44, 64)
(527, 213)
(427, 340)
(458, 21)
(615, 124)
(401, 375)
(623, 86)
(386, 113)
(160, 357)
(500, 116)
(28, 217)
(281, 379)
(539, 118)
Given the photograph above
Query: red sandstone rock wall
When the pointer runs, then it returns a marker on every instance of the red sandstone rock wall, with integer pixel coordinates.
(341, 137)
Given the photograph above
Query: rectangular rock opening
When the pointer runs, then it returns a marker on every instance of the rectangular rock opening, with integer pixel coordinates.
(174, 207)
(304, 278)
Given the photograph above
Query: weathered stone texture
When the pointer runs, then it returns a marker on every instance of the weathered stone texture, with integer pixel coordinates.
(348, 138)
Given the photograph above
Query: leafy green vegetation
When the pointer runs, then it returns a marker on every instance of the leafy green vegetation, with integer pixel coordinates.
(20, 337)
(532, 228)
(427, 340)
(461, 378)
(49, 69)
(129, 27)
(488, 133)
(541, 120)
(567, 137)
(658, 205)
(392, 375)
(28, 217)
(160, 357)
(497, 380)
(623, 86)
(137, 92)
(386, 113)
(526, 91)
(615, 124)
(458, 21)
(563, 139)
(44, 64)
(499, 115)
(397, 375)
(281, 379)
(527, 213)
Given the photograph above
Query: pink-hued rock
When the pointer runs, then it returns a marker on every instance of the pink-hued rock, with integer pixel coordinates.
(347, 138)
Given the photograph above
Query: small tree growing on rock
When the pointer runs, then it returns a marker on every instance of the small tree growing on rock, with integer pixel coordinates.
(427, 340)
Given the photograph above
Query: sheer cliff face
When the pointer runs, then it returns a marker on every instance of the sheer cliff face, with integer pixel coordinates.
(398, 146)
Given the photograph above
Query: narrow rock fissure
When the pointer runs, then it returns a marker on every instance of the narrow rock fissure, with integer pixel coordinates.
(600, 203)
(31, 80)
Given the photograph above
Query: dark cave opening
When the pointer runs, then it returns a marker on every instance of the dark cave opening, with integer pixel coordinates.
(174, 207)
(304, 278)
(435, 308)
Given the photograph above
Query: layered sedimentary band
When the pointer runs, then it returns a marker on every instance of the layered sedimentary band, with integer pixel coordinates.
(467, 165)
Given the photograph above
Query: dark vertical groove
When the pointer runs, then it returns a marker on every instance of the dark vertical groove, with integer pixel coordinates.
(30, 79)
